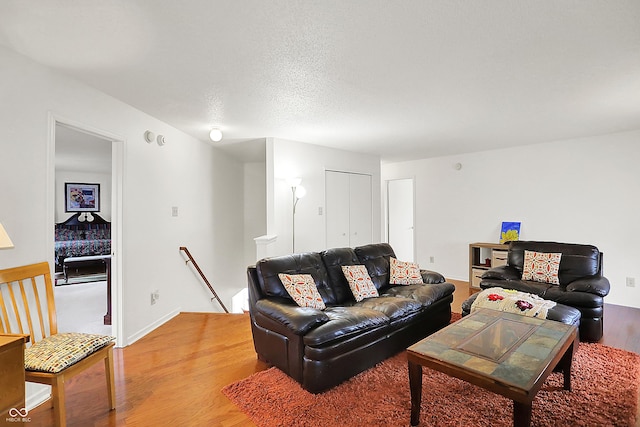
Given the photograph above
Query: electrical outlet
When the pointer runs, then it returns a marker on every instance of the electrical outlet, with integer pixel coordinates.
(155, 296)
(174, 211)
(432, 259)
(631, 282)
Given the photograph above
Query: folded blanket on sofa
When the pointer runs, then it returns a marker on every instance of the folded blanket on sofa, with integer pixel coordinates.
(513, 302)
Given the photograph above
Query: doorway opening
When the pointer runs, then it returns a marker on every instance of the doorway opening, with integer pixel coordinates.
(86, 193)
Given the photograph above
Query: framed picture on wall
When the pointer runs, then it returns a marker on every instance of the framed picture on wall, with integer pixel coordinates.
(81, 197)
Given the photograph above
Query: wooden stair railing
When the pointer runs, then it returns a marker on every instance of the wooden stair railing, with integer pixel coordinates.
(193, 261)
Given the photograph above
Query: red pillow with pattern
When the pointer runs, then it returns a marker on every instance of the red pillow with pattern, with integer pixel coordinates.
(360, 282)
(303, 290)
(541, 267)
(404, 273)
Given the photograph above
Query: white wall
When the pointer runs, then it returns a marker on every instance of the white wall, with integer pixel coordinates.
(287, 159)
(201, 181)
(255, 207)
(578, 191)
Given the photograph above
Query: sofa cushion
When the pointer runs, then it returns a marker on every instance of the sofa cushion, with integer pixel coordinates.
(303, 290)
(541, 267)
(404, 273)
(344, 323)
(334, 259)
(308, 263)
(392, 307)
(528, 286)
(424, 294)
(376, 258)
(359, 282)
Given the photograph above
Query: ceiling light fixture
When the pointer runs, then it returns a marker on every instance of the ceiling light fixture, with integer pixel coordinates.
(215, 135)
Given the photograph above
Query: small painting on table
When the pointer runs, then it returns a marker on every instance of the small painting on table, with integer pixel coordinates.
(510, 232)
(81, 197)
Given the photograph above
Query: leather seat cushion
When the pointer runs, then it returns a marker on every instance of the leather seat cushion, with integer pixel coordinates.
(425, 294)
(392, 307)
(345, 322)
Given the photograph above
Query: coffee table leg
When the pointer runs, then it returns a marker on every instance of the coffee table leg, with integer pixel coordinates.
(566, 362)
(415, 384)
(521, 414)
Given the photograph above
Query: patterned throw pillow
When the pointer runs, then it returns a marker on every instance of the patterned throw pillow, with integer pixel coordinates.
(404, 273)
(303, 290)
(59, 351)
(541, 267)
(359, 281)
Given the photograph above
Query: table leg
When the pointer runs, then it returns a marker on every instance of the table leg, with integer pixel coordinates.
(566, 362)
(521, 414)
(415, 385)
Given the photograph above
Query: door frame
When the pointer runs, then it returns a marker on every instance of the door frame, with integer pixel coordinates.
(117, 168)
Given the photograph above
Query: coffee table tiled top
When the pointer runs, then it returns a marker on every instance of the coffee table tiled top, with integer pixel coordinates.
(510, 349)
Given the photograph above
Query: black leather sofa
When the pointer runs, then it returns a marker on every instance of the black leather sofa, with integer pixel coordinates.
(322, 348)
(580, 275)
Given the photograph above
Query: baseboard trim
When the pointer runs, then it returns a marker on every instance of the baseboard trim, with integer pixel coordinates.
(37, 397)
(144, 331)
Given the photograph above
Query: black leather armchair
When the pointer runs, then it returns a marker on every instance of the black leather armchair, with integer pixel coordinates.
(582, 284)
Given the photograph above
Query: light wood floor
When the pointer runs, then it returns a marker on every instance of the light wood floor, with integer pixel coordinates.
(173, 376)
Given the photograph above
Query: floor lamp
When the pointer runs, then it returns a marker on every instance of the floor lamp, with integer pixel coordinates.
(298, 192)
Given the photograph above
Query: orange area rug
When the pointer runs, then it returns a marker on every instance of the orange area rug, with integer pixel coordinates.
(605, 385)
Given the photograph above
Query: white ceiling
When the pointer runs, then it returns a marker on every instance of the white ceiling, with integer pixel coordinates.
(402, 79)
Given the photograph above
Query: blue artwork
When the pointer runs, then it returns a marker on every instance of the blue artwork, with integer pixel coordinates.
(510, 231)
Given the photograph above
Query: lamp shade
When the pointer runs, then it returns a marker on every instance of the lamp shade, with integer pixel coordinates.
(5, 241)
(300, 192)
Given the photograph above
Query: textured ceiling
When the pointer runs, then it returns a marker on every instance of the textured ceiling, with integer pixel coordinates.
(402, 79)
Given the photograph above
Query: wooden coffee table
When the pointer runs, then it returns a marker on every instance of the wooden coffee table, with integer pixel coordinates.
(505, 353)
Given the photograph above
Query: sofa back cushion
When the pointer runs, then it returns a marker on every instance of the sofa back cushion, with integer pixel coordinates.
(307, 263)
(376, 258)
(334, 259)
(576, 261)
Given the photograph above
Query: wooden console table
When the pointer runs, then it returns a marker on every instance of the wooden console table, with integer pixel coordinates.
(11, 373)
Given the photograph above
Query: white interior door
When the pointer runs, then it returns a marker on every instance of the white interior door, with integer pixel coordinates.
(400, 217)
(337, 209)
(359, 209)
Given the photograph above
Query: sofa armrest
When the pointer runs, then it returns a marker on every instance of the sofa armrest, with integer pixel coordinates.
(297, 319)
(598, 285)
(431, 277)
(503, 272)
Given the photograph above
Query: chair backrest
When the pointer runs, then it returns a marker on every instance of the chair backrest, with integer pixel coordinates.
(26, 302)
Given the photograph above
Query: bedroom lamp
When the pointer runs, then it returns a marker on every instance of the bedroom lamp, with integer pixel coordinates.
(5, 241)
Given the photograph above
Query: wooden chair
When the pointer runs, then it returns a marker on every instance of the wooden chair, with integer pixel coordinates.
(27, 307)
